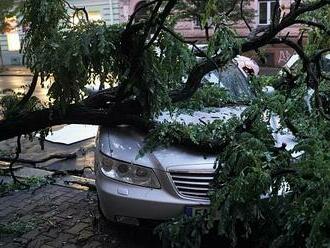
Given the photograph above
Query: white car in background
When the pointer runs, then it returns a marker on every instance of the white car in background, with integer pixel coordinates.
(294, 60)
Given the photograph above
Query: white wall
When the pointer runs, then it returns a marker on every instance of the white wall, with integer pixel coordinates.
(9, 57)
(109, 15)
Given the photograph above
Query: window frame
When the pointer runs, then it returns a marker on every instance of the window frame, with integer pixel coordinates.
(12, 35)
(268, 13)
(13, 41)
(197, 22)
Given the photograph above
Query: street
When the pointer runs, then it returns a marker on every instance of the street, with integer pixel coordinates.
(15, 79)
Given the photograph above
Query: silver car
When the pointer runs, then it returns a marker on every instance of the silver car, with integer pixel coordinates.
(167, 182)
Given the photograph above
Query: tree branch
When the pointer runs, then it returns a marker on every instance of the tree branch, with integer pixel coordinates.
(162, 18)
(152, 18)
(232, 8)
(124, 113)
(77, 10)
(99, 111)
(30, 92)
(254, 43)
(143, 6)
(192, 43)
(314, 24)
(283, 172)
(243, 17)
(276, 14)
(18, 151)
(39, 161)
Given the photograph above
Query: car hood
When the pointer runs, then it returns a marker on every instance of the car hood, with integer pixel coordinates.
(124, 142)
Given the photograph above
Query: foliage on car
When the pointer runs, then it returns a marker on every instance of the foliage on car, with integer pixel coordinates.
(146, 82)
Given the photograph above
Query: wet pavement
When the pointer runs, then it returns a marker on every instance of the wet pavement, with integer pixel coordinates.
(18, 79)
(54, 216)
(64, 213)
(15, 71)
(81, 166)
(14, 78)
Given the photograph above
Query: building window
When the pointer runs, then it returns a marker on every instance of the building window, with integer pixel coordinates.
(265, 11)
(94, 15)
(14, 43)
(197, 22)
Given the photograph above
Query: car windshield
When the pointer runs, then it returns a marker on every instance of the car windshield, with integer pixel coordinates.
(231, 79)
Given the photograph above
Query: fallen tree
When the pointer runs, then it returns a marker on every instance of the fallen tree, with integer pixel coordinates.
(132, 42)
(39, 161)
(140, 66)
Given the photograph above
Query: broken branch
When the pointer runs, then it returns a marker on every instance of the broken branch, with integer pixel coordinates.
(38, 161)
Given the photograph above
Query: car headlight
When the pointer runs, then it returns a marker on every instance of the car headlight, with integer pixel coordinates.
(128, 173)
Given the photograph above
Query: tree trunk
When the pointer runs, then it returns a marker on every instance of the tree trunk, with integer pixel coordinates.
(207, 34)
(125, 113)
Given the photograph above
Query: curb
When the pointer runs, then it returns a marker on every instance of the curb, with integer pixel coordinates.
(16, 75)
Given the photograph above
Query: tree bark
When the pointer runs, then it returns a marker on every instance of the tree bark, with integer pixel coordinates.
(39, 161)
(73, 114)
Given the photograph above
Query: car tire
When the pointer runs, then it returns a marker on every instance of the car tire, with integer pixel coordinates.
(99, 207)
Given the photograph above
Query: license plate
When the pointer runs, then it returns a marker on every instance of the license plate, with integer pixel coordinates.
(194, 211)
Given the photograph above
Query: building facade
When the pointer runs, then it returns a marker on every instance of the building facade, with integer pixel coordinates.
(119, 11)
(277, 55)
(107, 10)
(10, 45)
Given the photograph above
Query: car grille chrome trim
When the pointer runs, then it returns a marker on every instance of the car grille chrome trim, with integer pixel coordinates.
(193, 188)
(183, 183)
(192, 178)
(192, 184)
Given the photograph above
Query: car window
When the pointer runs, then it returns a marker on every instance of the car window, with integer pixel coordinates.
(325, 64)
(232, 80)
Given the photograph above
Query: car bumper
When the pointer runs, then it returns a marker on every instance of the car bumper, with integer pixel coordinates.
(120, 201)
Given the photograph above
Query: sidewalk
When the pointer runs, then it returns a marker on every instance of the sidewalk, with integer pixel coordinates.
(60, 216)
(55, 216)
(17, 71)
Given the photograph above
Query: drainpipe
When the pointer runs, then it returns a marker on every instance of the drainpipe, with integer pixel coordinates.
(111, 12)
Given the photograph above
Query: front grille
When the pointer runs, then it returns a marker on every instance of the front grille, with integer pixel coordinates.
(192, 184)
